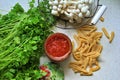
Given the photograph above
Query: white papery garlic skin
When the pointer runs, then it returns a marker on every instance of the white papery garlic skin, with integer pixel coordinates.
(74, 10)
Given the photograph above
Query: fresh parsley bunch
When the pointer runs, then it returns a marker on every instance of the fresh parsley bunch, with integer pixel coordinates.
(22, 36)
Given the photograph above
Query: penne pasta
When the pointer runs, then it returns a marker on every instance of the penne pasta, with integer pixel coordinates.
(112, 36)
(102, 19)
(105, 32)
(86, 62)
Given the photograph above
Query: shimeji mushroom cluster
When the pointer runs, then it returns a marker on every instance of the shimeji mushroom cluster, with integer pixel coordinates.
(72, 10)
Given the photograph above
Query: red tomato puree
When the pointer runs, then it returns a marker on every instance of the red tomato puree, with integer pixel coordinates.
(57, 46)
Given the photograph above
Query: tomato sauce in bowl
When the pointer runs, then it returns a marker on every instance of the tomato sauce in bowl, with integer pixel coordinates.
(58, 46)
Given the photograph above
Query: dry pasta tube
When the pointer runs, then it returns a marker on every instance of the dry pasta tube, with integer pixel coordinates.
(95, 48)
(102, 19)
(86, 74)
(80, 34)
(73, 48)
(93, 30)
(86, 62)
(76, 56)
(96, 55)
(90, 53)
(84, 33)
(100, 48)
(105, 32)
(112, 36)
(98, 40)
(82, 37)
(91, 46)
(90, 62)
(78, 68)
(74, 68)
(77, 62)
(84, 50)
(77, 40)
(87, 27)
(83, 40)
(90, 40)
(97, 67)
(96, 35)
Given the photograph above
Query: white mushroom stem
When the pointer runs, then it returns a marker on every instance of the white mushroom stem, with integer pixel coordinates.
(80, 15)
(86, 1)
(82, 1)
(70, 10)
(72, 2)
(59, 6)
(75, 11)
(68, 15)
(64, 6)
(72, 7)
(50, 2)
(84, 9)
(55, 2)
(54, 12)
(62, 11)
(87, 7)
(71, 21)
(80, 6)
(61, 2)
(90, 1)
(54, 7)
(59, 9)
(87, 14)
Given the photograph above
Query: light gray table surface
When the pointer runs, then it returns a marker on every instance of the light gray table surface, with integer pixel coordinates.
(110, 56)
